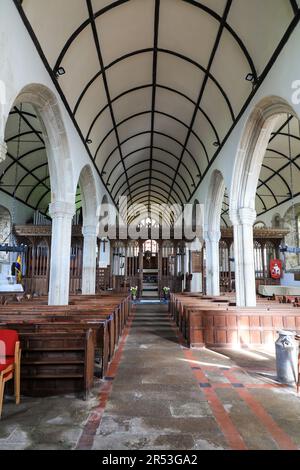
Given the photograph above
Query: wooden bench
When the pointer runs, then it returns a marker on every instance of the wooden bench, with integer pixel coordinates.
(102, 318)
(207, 323)
(57, 362)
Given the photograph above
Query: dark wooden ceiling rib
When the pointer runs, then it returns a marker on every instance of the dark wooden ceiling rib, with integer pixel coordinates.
(292, 136)
(261, 79)
(35, 187)
(169, 167)
(154, 79)
(22, 134)
(197, 4)
(105, 83)
(162, 150)
(24, 118)
(59, 90)
(169, 116)
(24, 155)
(17, 199)
(203, 86)
(180, 200)
(143, 196)
(142, 172)
(163, 134)
(277, 205)
(82, 27)
(294, 6)
(42, 165)
(142, 190)
(161, 51)
(279, 175)
(145, 190)
(39, 202)
(16, 162)
(274, 134)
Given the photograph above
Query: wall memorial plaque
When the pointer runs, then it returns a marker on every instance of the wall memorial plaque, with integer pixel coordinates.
(196, 261)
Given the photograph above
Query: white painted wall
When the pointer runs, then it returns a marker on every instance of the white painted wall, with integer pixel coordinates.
(22, 212)
(21, 65)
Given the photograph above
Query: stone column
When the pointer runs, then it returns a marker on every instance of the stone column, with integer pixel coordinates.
(111, 261)
(245, 288)
(61, 213)
(212, 239)
(182, 266)
(186, 267)
(125, 262)
(99, 245)
(89, 233)
(140, 286)
(160, 258)
(175, 245)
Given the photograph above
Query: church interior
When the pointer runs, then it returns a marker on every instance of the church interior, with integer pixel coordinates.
(149, 225)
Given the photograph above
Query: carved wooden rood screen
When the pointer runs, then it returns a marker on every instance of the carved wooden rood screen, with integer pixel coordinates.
(266, 242)
(37, 258)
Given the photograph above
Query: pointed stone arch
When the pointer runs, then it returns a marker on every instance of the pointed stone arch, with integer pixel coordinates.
(60, 165)
(246, 170)
(212, 233)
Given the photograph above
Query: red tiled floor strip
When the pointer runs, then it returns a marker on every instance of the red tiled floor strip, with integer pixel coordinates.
(86, 439)
(282, 439)
(230, 432)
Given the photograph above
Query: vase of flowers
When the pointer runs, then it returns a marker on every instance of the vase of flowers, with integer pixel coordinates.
(133, 291)
(166, 291)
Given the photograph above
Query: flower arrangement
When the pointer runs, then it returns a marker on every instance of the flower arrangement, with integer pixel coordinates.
(166, 291)
(133, 291)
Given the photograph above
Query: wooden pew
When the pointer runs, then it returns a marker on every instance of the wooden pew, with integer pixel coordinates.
(104, 317)
(57, 363)
(207, 323)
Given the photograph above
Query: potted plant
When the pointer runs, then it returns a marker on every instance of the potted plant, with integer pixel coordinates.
(133, 291)
(166, 291)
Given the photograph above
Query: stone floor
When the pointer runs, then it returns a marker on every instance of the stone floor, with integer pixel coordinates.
(160, 395)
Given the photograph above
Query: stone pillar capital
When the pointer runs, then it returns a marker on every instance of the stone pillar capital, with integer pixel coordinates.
(62, 209)
(247, 215)
(89, 231)
(242, 216)
(3, 151)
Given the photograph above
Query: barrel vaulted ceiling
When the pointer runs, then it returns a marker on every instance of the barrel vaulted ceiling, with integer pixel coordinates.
(155, 86)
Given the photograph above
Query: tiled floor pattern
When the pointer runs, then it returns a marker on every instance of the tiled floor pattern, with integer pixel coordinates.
(160, 395)
(166, 395)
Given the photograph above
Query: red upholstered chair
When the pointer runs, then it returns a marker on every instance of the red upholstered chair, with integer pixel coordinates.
(10, 358)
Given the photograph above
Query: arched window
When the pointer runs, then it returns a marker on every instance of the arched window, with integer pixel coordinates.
(150, 246)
